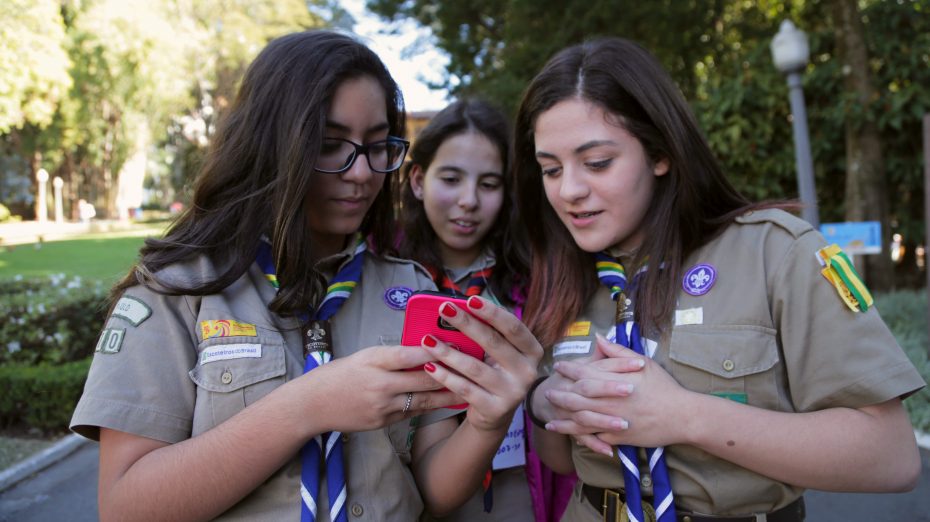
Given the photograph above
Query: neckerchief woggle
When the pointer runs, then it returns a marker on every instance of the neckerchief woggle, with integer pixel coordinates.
(477, 281)
(330, 443)
(612, 275)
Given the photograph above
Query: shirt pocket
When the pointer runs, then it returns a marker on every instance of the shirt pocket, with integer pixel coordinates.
(739, 362)
(234, 372)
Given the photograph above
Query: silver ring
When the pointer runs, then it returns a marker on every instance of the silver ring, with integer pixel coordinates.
(409, 402)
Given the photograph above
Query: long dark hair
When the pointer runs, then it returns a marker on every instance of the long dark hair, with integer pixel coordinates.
(260, 167)
(419, 239)
(692, 202)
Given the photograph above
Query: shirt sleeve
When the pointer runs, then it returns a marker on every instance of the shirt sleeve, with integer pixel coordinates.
(834, 357)
(138, 381)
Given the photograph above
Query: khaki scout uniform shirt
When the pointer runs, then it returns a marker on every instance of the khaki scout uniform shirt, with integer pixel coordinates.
(772, 331)
(152, 379)
(512, 501)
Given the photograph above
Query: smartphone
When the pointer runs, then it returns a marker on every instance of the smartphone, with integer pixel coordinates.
(422, 317)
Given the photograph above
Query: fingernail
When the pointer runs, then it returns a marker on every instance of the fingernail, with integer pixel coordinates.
(429, 341)
(447, 310)
(429, 367)
(620, 424)
(641, 363)
(625, 388)
(608, 452)
(548, 426)
(475, 302)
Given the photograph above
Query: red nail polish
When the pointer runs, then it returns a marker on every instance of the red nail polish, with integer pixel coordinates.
(429, 341)
(430, 367)
(447, 310)
(475, 302)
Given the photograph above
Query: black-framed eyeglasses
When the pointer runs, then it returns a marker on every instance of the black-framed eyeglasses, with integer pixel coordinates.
(384, 156)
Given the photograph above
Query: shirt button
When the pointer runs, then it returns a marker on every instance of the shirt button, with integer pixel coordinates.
(345, 437)
(646, 481)
(226, 377)
(728, 365)
(686, 518)
(357, 510)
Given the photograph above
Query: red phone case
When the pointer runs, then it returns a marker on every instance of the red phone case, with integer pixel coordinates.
(422, 317)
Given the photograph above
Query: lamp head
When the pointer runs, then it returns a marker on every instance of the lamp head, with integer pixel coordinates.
(789, 48)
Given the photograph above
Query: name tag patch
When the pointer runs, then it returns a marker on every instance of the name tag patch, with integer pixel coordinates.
(111, 340)
(689, 316)
(230, 351)
(226, 328)
(571, 348)
(512, 452)
(578, 329)
(132, 310)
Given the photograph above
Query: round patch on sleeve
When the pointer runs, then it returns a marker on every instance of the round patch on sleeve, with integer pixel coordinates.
(699, 279)
(396, 297)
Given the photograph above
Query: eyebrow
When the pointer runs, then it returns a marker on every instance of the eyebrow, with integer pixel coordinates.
(336, 126)
(578, 150)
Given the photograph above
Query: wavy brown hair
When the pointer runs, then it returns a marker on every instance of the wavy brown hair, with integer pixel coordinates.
(418, 239)
(259, 168)
(692, 202)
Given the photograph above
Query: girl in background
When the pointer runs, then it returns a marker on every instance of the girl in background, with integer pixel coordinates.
(456, 217)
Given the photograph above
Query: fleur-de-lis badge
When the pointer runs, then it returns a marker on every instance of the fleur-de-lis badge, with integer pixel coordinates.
(396, 297)
(699, 279)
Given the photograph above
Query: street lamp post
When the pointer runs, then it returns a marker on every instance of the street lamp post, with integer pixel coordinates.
(791, 52)
(42, 207)
(57, 183)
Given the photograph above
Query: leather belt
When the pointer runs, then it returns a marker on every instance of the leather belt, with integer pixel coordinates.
(612, 506)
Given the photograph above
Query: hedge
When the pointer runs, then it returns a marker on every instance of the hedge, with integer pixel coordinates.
(41, 397)
(53, 320)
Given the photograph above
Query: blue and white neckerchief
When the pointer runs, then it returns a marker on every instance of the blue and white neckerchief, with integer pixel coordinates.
(330, 443)
(612, 274)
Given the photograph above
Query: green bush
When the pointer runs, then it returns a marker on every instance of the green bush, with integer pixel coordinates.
(40, 397)
(4, 213)
(53, 320)
(905, 313)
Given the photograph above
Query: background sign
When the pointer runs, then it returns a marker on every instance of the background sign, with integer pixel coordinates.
(855, 237)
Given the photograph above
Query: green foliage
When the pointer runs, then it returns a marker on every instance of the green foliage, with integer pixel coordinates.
(4, 213)
(51, 320)
(41, 397)
(905, 313)
(33, 61)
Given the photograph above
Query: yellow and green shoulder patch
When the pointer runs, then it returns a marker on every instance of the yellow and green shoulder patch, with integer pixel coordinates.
(840, 272)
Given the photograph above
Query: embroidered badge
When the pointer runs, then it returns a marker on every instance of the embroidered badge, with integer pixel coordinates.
(578, 329)
(840, 272)
(111, 340)
(230, 351)
(226, 328)
(396, 297)
(699, 279)
(132, 310)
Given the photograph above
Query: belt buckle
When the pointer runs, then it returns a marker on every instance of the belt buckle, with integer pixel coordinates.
(649, 513)
(612, 505)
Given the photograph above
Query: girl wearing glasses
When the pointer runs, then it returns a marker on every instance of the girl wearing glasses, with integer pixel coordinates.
(743, 361)
(456, 203)
(249, 367)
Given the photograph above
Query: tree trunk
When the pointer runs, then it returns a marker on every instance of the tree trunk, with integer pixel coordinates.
(866, 191)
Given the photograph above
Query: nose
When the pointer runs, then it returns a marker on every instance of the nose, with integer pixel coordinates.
(360, 172)
(468, 196)
(573, 186)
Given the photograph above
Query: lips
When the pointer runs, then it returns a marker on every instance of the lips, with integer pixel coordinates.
(464, 225)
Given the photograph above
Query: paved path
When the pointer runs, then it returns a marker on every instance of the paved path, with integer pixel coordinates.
(68, 491)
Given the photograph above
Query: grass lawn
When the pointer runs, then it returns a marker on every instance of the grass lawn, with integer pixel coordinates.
(98, 257)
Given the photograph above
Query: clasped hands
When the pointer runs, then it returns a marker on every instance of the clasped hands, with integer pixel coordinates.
(615, 396)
